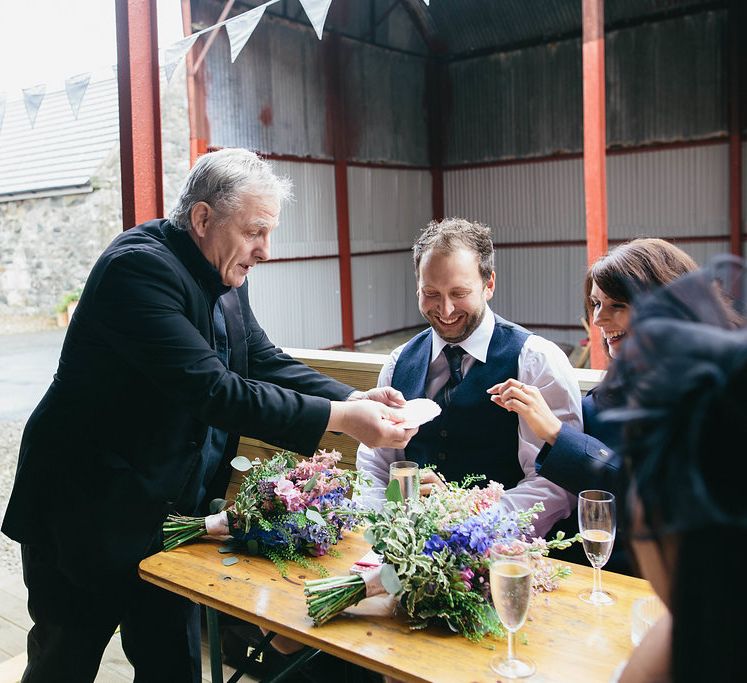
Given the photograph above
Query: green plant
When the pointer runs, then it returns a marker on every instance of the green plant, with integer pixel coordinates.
(67, 299)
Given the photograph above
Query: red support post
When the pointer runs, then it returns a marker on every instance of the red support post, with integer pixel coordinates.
(336, 132)
(139, 111)
(595, 143)
(434, 97)
(196, 101)
(735, 16)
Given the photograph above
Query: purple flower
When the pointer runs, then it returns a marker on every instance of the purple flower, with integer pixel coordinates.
(434, 544)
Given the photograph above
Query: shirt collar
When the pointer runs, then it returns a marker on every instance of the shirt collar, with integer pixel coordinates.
(476, 345)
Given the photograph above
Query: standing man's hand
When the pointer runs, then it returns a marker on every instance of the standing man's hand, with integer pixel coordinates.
(370, 422)
(386, 395)
(527, 401)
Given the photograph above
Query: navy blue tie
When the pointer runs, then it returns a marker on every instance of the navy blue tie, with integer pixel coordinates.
(453, 355)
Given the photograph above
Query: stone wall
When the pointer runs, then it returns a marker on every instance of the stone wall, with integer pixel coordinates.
(48, 245)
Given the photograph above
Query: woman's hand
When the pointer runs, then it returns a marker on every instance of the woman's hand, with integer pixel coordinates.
(430, 480)
(527, 401)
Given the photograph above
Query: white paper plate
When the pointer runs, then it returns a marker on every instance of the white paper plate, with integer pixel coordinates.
(418, 411)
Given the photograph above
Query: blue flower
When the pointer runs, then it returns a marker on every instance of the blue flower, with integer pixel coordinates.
(433, 545)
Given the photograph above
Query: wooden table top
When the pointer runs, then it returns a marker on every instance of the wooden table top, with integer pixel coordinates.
(569, 640)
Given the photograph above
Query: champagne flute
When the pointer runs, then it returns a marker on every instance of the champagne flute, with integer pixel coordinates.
(511, 587)
(596, 522)
(407, 474)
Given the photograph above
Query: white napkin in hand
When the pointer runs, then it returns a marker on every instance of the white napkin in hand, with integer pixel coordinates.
(418, 411)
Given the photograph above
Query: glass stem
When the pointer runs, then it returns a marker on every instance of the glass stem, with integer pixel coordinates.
(597, 580)
(511, 645)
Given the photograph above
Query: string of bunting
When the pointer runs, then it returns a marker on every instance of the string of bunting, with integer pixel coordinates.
(238, 28)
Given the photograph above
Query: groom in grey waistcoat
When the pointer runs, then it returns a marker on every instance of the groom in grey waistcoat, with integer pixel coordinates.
(467, 350)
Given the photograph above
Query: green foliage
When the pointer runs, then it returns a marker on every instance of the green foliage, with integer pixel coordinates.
(67, 299)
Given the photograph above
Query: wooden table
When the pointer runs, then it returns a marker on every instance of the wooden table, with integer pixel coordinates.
(568, 640)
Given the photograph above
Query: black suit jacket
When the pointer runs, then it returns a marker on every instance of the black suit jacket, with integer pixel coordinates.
(115, 441)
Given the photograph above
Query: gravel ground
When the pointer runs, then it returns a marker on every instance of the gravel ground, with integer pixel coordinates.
(10, 438)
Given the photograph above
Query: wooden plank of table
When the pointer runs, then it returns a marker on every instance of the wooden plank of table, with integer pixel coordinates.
(567, 639)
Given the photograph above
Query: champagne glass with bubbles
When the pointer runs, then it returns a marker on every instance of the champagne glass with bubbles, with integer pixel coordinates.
(511, 587)
(596, 522)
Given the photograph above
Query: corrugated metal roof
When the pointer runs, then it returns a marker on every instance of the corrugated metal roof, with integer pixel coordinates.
(59, 153)
(459, 27)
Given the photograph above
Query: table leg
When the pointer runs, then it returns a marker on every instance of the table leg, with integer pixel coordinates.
(297, 661)
(216, 659)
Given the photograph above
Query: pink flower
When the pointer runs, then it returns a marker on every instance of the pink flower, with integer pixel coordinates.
(289, 494)
(467, 574)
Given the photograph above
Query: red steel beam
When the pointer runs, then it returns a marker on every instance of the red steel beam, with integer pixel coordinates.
(595, 142)
(735, 17)
(435, 74)
(199, 134)
(139, 111)
(336, 134)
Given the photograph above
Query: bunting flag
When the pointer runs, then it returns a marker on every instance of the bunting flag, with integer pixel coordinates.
(33, 97)
(240, 29)
(172, 55)
(316, 11)
(76, 87)
(427, 2)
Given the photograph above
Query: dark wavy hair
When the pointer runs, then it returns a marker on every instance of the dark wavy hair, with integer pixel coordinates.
(634, 268)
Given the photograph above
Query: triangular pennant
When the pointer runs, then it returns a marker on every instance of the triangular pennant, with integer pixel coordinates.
(427, 2)
(33, 98)
(76, 87)
(2, 110)
(316, 11)
(240, 28)
(172, 55)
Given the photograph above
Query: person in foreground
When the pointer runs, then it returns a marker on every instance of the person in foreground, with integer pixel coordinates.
(575, 459)
(455, 361)
(163, 367)
(684, 378)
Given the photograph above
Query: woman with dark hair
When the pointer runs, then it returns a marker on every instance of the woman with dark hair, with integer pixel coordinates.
(586, 460)
(683, 376)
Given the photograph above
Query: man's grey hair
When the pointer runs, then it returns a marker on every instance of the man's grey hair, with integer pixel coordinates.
(451, 234)
(223, 179)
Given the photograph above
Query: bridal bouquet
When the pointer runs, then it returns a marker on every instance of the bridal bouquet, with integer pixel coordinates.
(286, 509)
(434, 556)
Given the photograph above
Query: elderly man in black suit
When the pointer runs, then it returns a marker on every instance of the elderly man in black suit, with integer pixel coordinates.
(163, 367)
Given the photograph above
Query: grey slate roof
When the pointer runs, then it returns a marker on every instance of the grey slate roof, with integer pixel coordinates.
(59, 154)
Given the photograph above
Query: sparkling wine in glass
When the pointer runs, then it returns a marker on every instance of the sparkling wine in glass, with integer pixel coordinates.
(596, 522)
(407, 474)
(511, 587)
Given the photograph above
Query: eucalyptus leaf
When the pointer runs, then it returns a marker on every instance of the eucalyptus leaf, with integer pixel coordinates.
(230, 560)
(369, 536)
(241, 463)
(394, 492)
(311, 483)
(226, 549)
(217, 505)
(314, 516)
(390, 580)
(252, 547)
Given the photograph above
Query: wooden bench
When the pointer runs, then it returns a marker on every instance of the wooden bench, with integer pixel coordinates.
(360, 370)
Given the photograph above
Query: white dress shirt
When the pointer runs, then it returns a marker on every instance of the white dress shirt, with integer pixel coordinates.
(542, 364)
